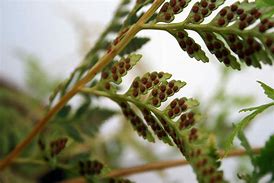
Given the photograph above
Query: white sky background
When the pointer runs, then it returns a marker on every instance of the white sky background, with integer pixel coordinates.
(44, 28)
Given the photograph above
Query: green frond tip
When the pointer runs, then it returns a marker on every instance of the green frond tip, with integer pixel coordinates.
(269, 92)
(243, 123)
(191, 103)
(135, 57)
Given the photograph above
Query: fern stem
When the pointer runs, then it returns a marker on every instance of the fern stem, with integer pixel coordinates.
(106, 59)
(206, 28)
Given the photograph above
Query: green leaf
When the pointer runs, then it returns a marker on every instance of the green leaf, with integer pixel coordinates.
(255, 108)
(265, 161)
(73, 133)
(64, 112)
(115, 27)
(267, 90)
(243, 123)
(134, 45)
(82, 109)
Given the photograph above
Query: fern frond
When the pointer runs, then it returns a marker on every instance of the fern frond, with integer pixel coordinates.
(174, 125)
(237, 32)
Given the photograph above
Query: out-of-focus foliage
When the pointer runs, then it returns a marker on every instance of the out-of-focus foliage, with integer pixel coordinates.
(37, 79)
(263, 163)
(18, 112)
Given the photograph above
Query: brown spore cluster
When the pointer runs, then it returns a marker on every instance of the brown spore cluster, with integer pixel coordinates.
(269, 44)
(151, 121)
(187, 43)
(163, 91)
(186, 120)
(135, 120)
(141, 86)
(248, 17)
(265, 25)
(176, 137)
(117, 40)
(202, 9)
(244, 49)
(169, 9)
(217, 48)
(90, 167)
(116, 72)
(57, 146)
(176, 107)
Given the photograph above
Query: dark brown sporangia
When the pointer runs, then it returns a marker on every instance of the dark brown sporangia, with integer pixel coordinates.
(238, 28)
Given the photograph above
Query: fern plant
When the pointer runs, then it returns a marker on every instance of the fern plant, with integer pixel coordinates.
(238, 33)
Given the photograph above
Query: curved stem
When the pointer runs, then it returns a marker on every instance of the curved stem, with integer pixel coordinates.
(107, 58)
(158, 166)
(168, 164)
